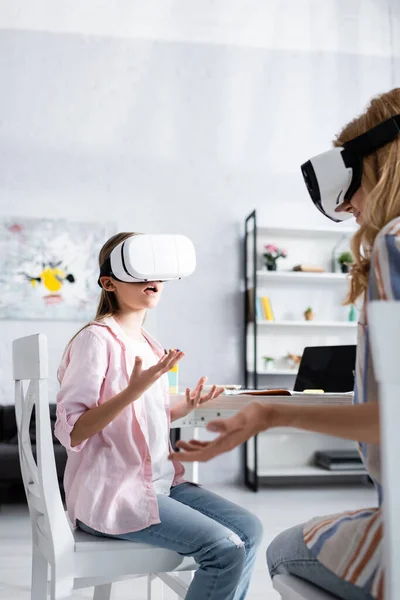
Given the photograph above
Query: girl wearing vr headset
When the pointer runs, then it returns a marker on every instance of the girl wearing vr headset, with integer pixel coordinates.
(113, 416)
(360, 177)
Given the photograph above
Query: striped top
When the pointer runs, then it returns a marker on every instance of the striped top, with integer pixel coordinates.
(350, 544)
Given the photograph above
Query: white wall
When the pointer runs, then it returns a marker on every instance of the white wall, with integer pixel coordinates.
(180, 117)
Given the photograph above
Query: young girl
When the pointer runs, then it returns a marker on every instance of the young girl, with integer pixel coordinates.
(343, 553)
(113, 416)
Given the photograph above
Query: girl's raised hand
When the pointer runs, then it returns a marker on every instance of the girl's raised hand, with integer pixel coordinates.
(141, 379)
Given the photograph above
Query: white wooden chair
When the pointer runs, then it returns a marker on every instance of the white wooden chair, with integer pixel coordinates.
(384, 328)
(76, 559)
(294, 588)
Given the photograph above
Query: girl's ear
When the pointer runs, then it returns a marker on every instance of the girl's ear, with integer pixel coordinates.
(107, 284)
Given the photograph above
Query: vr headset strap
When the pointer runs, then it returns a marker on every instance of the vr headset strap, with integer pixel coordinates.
(371, 140)
(365, 144)
(106, 270)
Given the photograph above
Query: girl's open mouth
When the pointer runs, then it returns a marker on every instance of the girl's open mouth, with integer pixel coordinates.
(151, 289)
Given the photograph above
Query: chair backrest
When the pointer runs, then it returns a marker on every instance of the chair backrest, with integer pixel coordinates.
(50, 528)
(384, 331)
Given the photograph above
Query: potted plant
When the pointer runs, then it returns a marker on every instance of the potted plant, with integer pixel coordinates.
(308, 314)
(293, 360)
(271, 255)
(268, 363)
(345, 260)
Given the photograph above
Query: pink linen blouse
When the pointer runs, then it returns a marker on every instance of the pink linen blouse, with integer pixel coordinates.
(108, 478)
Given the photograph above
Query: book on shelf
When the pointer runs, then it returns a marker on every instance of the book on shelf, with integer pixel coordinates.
(259, 310)
(267, 309)
(339, 460)
(262, 306)
(250, 302)
(308, 269)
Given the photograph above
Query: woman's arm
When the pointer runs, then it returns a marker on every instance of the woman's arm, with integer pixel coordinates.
(357, 422)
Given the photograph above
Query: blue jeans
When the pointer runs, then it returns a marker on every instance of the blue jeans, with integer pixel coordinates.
(222, 538)
(288, 554)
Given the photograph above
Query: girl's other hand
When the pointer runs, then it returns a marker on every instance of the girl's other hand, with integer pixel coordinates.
(141, 379)
(194, 398)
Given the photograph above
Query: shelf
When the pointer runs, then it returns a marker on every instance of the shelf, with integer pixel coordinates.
(278, 372)
(297, 276)
(300, 232)
(311, 324)
(308, 471)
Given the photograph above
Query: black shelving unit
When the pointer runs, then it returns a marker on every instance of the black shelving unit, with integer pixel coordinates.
(249, 319)
(252, 477)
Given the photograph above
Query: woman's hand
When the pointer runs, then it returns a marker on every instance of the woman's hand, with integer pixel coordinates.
(234, 431)
(141, 380)
(194, 398)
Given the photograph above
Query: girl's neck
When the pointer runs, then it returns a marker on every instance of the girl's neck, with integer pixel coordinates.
(131, 323)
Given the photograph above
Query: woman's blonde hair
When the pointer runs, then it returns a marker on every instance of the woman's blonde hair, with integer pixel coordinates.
(380, 183)
(108, 304)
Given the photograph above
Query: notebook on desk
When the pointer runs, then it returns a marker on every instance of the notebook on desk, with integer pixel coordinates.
(323, 369)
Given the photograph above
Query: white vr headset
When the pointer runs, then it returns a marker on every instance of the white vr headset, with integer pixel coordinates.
(333, 177)
(143, 257)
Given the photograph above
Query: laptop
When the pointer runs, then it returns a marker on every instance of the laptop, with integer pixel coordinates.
(328, 368)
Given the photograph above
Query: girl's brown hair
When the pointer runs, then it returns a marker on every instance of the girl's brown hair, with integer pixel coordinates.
(380, 183)
(108, 304)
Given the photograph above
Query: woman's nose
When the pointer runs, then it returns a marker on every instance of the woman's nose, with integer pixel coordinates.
(344, 207)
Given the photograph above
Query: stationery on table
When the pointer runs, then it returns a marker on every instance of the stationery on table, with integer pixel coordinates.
(173, 378)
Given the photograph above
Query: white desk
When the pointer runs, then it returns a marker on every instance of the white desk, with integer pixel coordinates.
(227, 406)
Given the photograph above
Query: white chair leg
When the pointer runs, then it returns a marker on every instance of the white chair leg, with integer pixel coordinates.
(102, 592)
(155, 588)
(40, 569)
(62, 582)
(186, 577)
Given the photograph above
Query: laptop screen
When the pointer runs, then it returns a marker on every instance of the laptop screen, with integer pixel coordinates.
(328, 368)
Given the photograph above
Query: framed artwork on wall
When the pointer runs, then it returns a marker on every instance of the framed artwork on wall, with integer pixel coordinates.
(50, 268)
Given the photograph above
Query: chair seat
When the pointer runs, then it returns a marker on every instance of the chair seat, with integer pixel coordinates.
(86, 541)
(294, 588)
